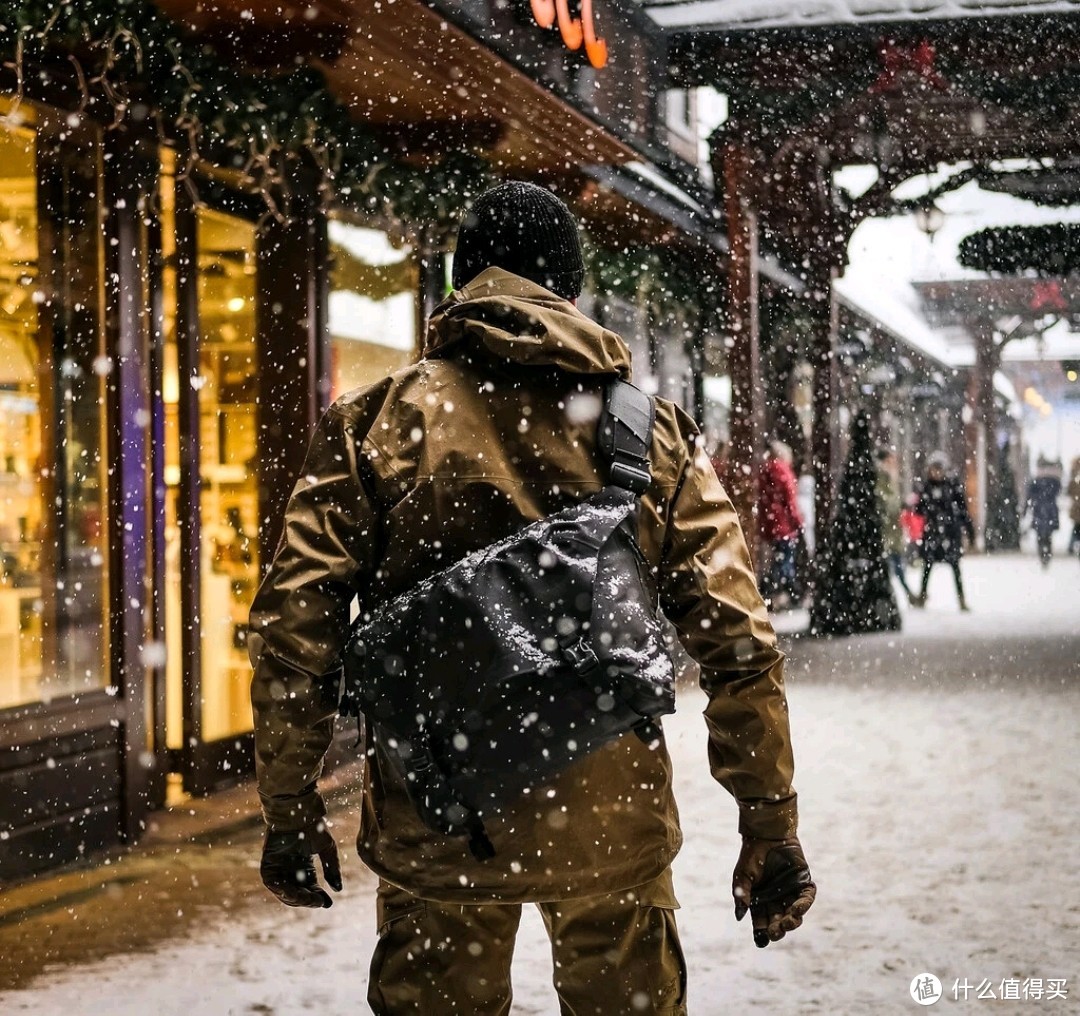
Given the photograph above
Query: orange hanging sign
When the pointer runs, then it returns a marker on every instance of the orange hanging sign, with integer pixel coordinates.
(574, 31)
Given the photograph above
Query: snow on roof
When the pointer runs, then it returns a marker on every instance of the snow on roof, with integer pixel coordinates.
(894, 305)
(649, 174)
(744, 15)
(1056, 343)
(886, 253)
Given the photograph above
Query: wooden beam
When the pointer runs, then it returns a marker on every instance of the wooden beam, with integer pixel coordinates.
(405, 63)
(791, 58)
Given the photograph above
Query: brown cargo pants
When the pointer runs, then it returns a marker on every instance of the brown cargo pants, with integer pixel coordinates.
(615, 955)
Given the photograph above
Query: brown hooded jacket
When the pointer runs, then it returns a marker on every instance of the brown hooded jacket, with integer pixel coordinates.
(495, 427)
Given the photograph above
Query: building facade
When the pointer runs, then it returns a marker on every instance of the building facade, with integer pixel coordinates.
(166, 343)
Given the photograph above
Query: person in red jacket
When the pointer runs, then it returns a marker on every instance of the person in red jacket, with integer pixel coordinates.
(780, 522)
(913, 525)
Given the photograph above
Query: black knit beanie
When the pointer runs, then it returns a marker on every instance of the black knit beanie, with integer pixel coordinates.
(526, 230)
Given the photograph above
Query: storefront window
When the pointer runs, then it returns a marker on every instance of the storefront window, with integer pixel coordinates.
(53, 574)
(373, 287)
(228, 387)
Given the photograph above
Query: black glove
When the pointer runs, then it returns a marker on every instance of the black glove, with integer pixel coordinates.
(288, 866)
(774, 877)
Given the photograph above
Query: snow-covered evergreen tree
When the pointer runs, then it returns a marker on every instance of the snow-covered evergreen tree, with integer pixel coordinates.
(853, 592)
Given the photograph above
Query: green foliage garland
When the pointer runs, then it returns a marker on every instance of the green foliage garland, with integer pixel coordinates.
(666, 280)
(141, 62)
(1052, 250)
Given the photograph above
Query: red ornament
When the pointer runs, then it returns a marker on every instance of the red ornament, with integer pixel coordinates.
(906, 64)
(1047, 297)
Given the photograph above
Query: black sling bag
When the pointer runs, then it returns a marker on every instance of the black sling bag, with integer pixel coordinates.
(492, 676)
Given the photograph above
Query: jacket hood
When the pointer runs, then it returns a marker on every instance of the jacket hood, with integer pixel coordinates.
(513, 319)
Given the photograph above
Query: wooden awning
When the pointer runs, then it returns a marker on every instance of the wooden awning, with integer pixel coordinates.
(409, 75)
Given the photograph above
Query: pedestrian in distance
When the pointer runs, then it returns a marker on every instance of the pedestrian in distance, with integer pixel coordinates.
(1042, 505)
(495, 427)
(889, 506)
(913, 525)
(1074, 507)
(780, 523)
(944, 507)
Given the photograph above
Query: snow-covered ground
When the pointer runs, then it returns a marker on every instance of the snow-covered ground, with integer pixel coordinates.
(940, 805)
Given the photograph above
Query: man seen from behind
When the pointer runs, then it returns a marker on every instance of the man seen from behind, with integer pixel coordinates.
(493, 428)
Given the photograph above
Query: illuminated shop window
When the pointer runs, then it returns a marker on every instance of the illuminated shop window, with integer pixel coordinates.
(53, 493)
(229, 490)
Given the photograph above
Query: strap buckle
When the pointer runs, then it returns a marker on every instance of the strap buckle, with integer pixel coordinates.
(633, 478)
(581, 656)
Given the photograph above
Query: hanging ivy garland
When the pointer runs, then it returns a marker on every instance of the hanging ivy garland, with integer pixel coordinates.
(134, 57)
(667, 281)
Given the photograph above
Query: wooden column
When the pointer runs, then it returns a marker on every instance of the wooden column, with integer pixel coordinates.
(824, 438)
(982, 443)
(136, 571)
(744, 355)
(291, 328)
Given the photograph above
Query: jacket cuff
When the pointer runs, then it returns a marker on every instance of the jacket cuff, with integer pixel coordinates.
(769, 820)
(292, 813)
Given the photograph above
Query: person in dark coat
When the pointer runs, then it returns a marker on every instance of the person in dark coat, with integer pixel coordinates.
(1042, 503)
(944, 507)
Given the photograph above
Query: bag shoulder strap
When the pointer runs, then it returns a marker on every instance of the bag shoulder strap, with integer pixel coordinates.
(625, 435)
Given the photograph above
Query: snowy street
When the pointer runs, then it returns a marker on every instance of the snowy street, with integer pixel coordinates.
(939, 800)
(404, 363)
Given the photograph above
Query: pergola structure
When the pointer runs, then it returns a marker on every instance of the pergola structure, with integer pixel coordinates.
(904, 86)
(997, 312)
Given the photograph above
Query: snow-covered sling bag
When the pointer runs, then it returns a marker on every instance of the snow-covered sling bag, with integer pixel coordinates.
(492, 676)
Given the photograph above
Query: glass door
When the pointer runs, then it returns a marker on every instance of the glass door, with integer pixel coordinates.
(210, 391)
